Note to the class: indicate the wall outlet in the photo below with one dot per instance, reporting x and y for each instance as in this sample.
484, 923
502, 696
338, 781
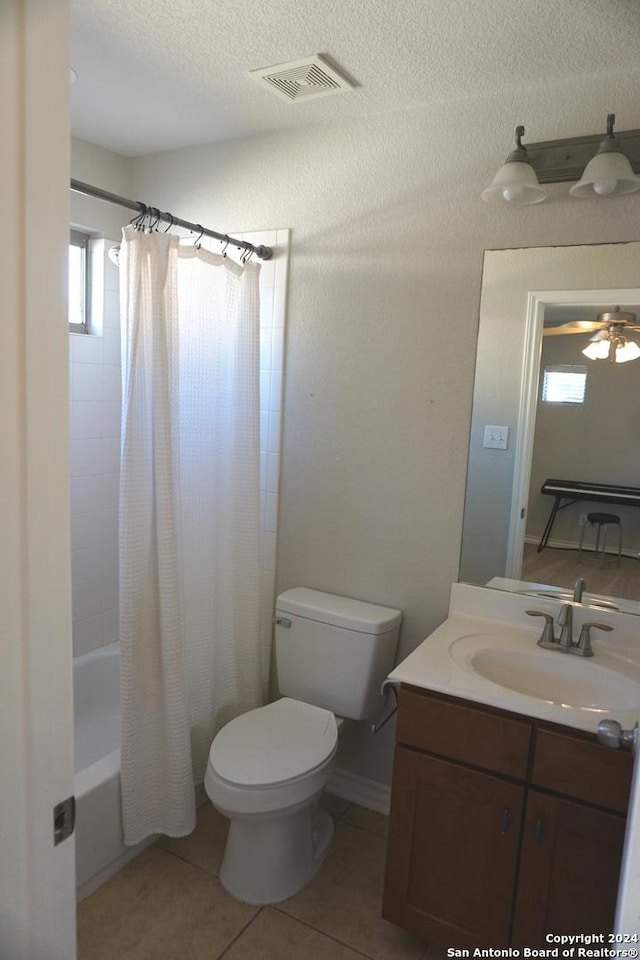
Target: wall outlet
583, 519
496, 438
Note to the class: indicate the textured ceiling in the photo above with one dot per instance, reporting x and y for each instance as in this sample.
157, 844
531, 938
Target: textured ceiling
161, 74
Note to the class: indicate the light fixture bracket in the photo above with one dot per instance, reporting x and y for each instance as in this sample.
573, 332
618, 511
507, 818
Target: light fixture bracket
519, 155
557, 161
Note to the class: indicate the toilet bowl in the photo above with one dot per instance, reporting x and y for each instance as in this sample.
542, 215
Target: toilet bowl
266, 770
268, 767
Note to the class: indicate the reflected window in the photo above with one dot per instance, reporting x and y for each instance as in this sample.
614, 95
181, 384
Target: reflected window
564, 383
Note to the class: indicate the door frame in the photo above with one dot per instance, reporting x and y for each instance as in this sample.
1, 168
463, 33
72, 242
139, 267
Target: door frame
37, 878
537, 303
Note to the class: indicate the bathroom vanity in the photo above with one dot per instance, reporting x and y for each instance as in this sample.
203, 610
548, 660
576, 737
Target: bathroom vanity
507, 815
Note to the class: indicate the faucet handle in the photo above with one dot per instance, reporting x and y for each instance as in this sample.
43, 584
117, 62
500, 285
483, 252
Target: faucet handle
584, 641
548, 637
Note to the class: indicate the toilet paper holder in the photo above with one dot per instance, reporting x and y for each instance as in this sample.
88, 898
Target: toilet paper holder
388, 687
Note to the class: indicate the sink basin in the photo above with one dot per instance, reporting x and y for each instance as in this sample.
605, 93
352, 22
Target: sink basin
546, 674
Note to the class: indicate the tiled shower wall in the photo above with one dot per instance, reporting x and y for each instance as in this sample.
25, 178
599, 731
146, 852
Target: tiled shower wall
95, 407
95, 410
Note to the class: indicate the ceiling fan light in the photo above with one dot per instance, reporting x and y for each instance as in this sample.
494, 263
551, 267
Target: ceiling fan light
597, 350
515, 182
630, 351
608, 174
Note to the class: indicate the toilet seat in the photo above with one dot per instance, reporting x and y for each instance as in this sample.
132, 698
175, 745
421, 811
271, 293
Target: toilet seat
275, 744
271, 759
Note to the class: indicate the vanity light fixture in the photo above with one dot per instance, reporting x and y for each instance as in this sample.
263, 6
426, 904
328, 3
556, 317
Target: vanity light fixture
609, 173
603, 167
516, 180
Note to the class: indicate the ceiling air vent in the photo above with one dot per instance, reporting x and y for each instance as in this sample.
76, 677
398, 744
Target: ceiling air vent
302, 79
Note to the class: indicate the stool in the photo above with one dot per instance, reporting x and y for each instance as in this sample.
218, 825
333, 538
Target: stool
602, 521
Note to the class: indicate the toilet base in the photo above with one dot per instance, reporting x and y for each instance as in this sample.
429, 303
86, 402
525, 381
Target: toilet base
269, 859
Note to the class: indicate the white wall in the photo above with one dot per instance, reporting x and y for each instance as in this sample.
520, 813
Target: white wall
388, 233
105, 169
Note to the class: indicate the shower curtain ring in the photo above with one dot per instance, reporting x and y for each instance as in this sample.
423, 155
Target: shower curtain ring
226, 244
171, 222
136, 221
199, 238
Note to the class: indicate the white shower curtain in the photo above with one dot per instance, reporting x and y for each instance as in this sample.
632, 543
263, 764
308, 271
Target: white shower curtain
189, 519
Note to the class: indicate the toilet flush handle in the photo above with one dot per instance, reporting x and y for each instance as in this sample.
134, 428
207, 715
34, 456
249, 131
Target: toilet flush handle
282, 622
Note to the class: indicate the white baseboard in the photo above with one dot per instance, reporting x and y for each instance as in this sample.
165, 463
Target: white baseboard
573, 545
559, 544
367, 793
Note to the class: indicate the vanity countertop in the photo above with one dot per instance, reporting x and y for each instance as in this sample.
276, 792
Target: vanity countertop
500, 640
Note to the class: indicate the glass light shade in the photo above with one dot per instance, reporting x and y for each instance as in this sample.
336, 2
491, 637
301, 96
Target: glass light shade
630, 351
598, 350
515, 182
607, 174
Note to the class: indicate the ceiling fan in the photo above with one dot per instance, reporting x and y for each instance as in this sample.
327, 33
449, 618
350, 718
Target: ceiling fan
615, 321
608, 341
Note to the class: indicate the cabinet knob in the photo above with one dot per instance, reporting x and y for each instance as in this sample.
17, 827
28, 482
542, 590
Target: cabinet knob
538, 833
611, 734
505, 821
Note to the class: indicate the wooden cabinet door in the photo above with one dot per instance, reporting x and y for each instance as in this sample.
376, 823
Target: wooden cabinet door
569, 870
452, 851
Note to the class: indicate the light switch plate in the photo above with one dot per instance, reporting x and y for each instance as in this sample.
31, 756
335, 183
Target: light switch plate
496, 438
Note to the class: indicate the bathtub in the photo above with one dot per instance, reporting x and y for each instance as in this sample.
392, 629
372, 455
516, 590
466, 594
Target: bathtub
100, 849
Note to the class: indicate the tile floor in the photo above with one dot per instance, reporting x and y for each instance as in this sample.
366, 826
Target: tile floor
168, 903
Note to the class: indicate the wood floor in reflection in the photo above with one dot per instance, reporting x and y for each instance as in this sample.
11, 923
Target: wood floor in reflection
561, 567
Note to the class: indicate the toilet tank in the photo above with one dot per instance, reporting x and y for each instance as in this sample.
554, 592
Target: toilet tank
334, 652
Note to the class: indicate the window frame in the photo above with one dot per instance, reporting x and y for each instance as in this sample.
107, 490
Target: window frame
79, 238
563, 369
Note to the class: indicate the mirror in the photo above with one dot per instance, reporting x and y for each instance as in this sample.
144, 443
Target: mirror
526, 292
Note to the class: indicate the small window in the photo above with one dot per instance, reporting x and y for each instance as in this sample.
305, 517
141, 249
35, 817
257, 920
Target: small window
78, 282
564, 383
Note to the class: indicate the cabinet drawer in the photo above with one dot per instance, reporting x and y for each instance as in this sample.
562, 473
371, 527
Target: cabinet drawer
458, 730
577, 766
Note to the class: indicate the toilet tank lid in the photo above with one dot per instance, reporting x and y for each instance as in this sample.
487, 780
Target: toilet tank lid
338, 611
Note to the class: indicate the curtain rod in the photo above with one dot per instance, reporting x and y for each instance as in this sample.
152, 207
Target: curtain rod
264, 253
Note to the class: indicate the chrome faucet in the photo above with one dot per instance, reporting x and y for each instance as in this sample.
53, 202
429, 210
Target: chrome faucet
578, 589
565, 622
565, 643
565, 617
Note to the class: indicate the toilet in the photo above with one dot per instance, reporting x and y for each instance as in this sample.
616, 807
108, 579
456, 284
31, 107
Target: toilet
268, 767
